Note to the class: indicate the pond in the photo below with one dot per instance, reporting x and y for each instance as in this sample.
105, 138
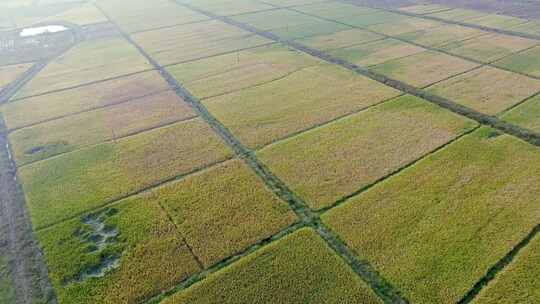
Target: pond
34, 31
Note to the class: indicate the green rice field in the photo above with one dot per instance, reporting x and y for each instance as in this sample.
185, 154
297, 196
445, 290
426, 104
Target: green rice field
269, 152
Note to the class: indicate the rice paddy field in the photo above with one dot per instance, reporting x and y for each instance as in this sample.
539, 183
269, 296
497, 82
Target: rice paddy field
269, 152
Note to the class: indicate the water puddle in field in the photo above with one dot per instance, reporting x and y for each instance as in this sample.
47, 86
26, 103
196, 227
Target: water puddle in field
493, 134
97, 234
97, 238
34, 31
35, 150
106, 264
54, 148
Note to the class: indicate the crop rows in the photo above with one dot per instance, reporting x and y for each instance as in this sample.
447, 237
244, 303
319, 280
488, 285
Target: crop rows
404, 67
279, 187
265, 34
281, 190
226, 176
441, 101
24, 273
533, 230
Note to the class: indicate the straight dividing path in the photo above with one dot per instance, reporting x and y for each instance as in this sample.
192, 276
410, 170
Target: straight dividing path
492, 121
9, 91
429, 48
110, 140
91, 109
499, 266
481, 118
118, 199
435, 49
304, 212
27, 264
347, 197
79, 85
224, 263
307, 217
484, 119
340, 247
462, 23
513, 252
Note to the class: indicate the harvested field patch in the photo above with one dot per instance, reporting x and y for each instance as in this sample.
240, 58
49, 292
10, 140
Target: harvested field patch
128, 14
424, 68
518, 283
356, 151
311, 96
290, 24
526, 62
230, 7
232, 72
488, 90
488, 48
149, 255
10, 73
424, 9
402, 26
64, 186
377, 52
299, 268
526, 115
437, 227
497, 21
439, 36
458, 14
38, 109
87, 62
194, 41
88, 128
340, 39
223, 210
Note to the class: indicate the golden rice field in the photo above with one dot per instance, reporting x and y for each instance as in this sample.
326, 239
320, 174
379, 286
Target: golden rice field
269, 152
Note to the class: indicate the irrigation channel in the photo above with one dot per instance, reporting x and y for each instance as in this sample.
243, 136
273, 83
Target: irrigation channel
25, 261
307, 217
483, 119
26, 258
51, 38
